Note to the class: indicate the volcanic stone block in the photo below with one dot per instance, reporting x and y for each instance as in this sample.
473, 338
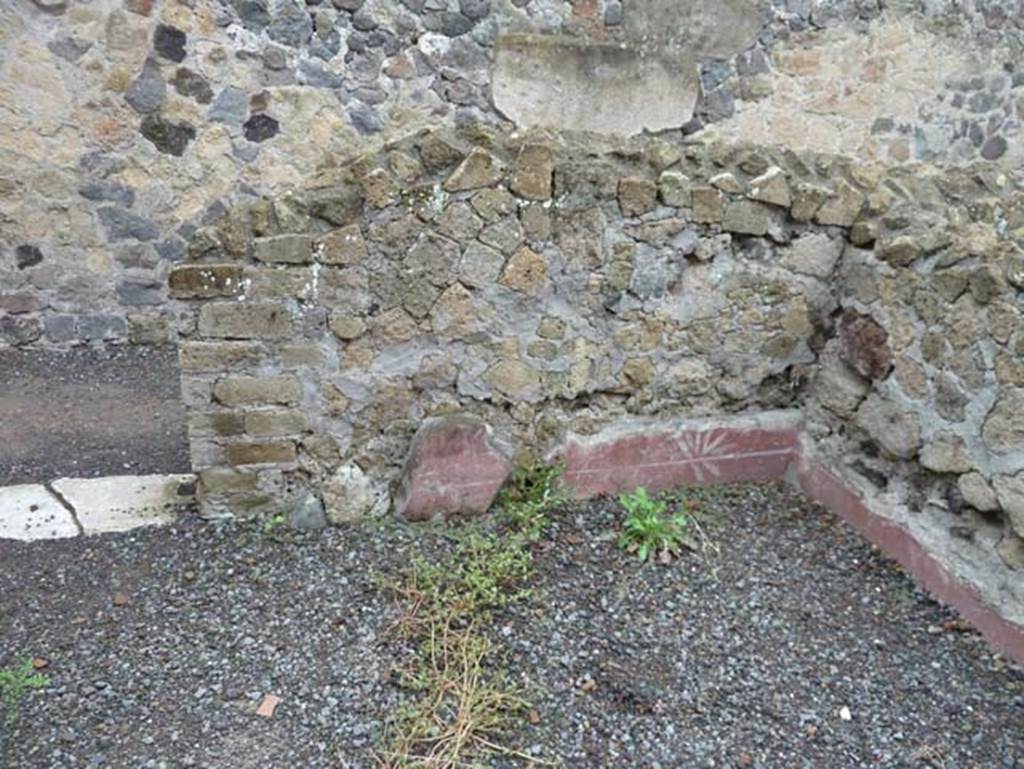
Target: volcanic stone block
454, 467
236, 320
236, 389
205, 281
533, 172
276, 422
746, 218
285, 249
217, 356
273, 452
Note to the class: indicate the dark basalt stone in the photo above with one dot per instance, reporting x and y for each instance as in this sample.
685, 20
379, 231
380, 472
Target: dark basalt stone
169, 42
192, 85
259, 128
169, 137
26, 256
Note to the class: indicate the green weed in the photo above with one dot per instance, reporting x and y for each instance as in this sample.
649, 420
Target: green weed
15, 681
464, 702
649, 531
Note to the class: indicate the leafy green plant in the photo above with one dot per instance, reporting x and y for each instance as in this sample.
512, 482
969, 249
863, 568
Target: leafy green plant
15, 681
648, 530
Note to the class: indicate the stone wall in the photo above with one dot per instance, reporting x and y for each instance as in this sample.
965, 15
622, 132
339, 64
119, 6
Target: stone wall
547, 288
127, 125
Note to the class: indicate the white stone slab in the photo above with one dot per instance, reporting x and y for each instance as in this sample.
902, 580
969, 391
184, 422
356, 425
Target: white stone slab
30, 512
124, 502
573, 84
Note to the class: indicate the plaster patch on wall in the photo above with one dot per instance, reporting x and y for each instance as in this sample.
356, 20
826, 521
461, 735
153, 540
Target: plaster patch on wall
896, 93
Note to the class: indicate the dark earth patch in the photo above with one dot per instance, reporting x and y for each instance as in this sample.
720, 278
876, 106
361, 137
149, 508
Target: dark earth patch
161, 644
90, 412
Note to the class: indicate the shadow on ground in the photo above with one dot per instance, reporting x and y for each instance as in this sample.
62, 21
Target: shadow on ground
90, 412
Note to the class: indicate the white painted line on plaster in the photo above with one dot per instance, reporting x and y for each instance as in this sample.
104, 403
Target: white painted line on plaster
124, 502
29, 512
73, 506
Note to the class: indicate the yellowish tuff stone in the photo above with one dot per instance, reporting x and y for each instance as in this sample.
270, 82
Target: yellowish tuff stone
394, 327
638, 372
478, 169
346, 327
526, 271
455, 313
512, 378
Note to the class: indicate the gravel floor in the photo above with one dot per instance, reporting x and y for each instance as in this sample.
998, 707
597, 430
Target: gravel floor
162, 643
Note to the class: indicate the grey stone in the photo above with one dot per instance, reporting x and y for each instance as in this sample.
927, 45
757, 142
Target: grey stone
134, 292
365, 119
506, 235
192, 85
945, 453
746, 218
19, 329
254, 14
613, 14
148, 90
1010, 491
475, 9
231, 106
291, 24
1003, 431
108, 191
124, 225
364, 21
307, 513
571, 84
771, 187
977, 492
814, 254
718, 105
60, 328
837, 386
69, 48
96, 328
480, 265
896, 431
993, 148
318, 76
275, 57
950, 401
